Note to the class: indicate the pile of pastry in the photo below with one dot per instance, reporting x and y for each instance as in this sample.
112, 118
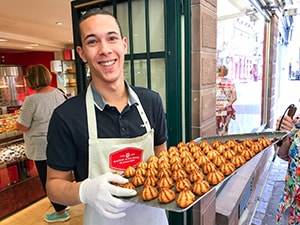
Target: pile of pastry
189, 170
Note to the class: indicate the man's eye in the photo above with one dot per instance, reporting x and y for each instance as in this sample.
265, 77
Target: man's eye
113, 38
91, 42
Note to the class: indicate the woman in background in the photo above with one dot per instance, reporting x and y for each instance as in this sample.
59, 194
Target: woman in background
225, 97
289, 204
34, 118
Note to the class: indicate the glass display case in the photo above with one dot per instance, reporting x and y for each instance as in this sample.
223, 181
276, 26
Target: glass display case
19, 181
12, 85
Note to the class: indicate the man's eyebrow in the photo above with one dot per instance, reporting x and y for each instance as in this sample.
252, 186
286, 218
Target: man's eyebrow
109, 33
88, 36
113, 32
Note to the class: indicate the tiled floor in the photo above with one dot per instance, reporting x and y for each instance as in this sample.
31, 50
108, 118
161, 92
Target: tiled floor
33, 215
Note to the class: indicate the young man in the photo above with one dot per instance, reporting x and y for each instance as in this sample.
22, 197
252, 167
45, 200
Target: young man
93, 132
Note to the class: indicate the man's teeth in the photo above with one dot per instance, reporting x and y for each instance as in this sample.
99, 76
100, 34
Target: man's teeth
107, 63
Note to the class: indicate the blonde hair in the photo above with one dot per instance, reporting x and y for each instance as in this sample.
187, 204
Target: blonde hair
38, 76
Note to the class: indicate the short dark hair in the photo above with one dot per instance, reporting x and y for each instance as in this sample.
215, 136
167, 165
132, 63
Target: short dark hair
38, 76
93, 12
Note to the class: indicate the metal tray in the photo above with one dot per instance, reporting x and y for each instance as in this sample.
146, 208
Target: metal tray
274, 136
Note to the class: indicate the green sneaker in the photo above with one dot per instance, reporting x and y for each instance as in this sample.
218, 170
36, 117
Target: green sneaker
53, 217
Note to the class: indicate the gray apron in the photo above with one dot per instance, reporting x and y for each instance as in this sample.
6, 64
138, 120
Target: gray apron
114, 154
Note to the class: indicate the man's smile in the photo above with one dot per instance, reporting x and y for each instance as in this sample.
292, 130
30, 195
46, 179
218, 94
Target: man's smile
107, 63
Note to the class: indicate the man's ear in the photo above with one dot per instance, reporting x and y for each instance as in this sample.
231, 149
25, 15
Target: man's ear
81, 53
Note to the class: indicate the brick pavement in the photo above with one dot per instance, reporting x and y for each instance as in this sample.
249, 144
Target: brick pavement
266, 209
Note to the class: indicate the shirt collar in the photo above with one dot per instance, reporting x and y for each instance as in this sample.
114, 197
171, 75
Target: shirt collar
101, 103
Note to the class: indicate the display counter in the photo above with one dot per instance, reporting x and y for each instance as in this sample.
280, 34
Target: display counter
19, 181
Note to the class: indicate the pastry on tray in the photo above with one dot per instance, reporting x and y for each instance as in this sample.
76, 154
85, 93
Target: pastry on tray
149, 193
166, 195
185, 198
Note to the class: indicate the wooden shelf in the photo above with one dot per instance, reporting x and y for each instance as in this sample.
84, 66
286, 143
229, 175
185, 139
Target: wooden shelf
20, 195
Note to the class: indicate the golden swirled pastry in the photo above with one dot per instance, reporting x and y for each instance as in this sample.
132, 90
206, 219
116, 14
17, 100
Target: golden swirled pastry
129, 185
165, 182
227, 168
173, 152
238, 160
179, 174
151, 173
185, 198
163, 154
265, 142
164, 165
196, 175
164, 173
248, 153
216, 144
138, 180
175, 159
204, 144
185, 154
142, 165
247, 142
256, 147
152, 165
195, 149
182, 184
212, 154
166, 195
152, 158
172, 149
229, 153
219, 160
177, 166
187, 160
221, 148
192, 144
149, 193
129, 172
238, 148
181, 144
140, 171
230, 143
197, 154
191, 166
208, 167
200, 187
150, 181
215, 177
202, 160
162, 159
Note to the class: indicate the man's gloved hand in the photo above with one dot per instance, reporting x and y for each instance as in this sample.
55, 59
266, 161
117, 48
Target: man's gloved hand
99, 193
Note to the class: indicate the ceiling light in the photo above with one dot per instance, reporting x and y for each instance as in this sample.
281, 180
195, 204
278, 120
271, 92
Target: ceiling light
34, 45
59, 23
2, 39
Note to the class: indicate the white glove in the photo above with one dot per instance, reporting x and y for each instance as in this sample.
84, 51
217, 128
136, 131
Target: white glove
99, 193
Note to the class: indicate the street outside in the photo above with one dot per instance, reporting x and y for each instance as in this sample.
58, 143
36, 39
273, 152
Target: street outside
248, 103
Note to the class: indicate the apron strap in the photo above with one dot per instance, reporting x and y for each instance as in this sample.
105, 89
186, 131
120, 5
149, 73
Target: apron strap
91, 113
142, 112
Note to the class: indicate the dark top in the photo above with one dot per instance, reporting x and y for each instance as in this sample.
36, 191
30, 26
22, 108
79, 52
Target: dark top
68, 135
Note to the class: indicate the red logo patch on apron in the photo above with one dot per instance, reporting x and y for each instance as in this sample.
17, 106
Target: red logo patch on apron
125, 157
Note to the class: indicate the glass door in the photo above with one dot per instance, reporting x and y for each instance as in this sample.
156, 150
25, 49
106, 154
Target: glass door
240, 47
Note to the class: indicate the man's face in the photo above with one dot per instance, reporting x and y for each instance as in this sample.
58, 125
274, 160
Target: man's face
103, 48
